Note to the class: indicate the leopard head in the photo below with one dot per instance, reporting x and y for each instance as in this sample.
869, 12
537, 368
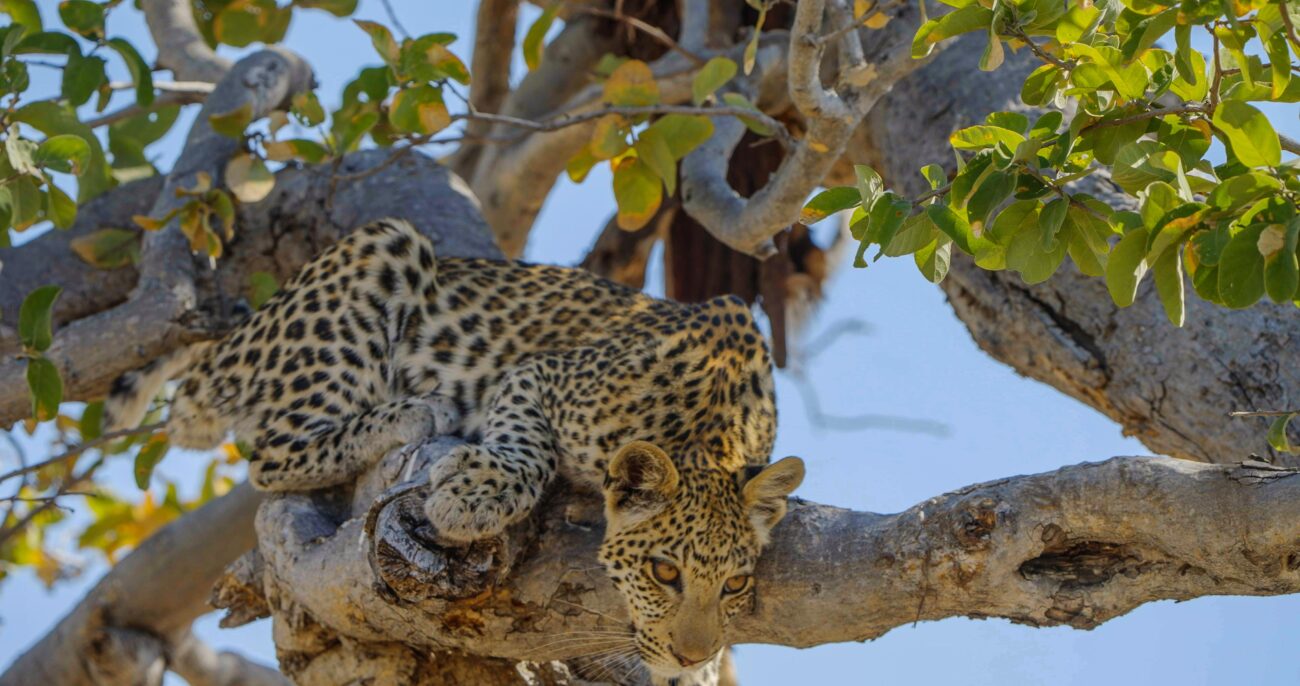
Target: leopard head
681, 545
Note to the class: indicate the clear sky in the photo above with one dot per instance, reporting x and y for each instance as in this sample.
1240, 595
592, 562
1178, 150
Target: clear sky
918, 361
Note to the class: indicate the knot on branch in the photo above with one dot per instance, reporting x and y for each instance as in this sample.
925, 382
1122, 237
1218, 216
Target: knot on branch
408, 561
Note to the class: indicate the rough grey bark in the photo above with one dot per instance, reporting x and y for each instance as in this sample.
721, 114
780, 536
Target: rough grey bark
1075, 547
1171, 388
308, 210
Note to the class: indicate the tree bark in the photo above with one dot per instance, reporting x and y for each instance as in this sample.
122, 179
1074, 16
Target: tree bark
1075, 547
1170, 387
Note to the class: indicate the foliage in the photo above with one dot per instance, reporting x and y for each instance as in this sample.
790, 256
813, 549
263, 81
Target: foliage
1146, 115
1147, 111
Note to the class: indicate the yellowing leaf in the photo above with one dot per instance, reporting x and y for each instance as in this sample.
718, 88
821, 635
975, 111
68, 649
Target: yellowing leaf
608, 137
382, 39
638, 192
108, 248
248, 178
632, 85
532, 45
232, 124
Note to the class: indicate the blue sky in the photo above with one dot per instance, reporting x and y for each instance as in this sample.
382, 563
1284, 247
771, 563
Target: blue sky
918, 361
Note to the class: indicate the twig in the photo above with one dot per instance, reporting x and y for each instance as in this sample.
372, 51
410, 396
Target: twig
1262, 413
164, 100
858, 22
77, 450
397, 154
649, 29
392, 17
1039, 52
1218, 69
7, 533
936, 193
567, 120
1290, 145
1185, 108
1290, 26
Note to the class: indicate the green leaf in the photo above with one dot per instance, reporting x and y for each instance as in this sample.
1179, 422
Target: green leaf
917, 232
934, 258
261, 288
1040, 86
1126, 267
84, 17
1167, 272
532, 45
232, 124
1277, 434
828, 202
1281, 267
953, 225
64, 153
141, 75
980, 137
713, 75
887, 214
108, 248
45, 387
638, 192
1085, 257
419, 109
82, 76
1025, 254
151, 453
61, 209
382, 39
1248, 133
23, 12
338, 8
683, 132
869, 184
1241, 269
652, 148
753, 124
1052, 218
35, 317
964, 20
91, 423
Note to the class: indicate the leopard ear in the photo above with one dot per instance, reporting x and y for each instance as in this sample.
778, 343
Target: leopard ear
640, 481
765, 494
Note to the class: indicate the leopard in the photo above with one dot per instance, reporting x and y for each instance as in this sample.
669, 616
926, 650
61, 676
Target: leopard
664, 409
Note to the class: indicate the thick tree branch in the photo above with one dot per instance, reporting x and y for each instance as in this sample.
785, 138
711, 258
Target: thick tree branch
304, 213
1170, 387
830, 117
199, 665
118, 632
161, 312
494, 44
1075, 547
181, 47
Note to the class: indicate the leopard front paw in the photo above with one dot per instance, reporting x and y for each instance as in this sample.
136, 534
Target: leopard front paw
472, 497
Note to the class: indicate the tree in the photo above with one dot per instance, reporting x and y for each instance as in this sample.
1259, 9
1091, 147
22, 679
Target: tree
718, 120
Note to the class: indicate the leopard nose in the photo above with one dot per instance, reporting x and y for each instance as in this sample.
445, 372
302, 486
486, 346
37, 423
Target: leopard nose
683, 660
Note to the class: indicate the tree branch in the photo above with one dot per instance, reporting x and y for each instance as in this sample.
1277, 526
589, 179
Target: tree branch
199, 665
1074, 547
494, 44
748, 224
1169, 387
120, 627
302, 215
181, 47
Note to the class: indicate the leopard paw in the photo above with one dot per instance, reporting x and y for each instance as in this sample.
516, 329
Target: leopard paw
472, 497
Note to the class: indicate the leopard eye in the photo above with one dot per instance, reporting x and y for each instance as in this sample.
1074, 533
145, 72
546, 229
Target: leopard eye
736, 584
664, 572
